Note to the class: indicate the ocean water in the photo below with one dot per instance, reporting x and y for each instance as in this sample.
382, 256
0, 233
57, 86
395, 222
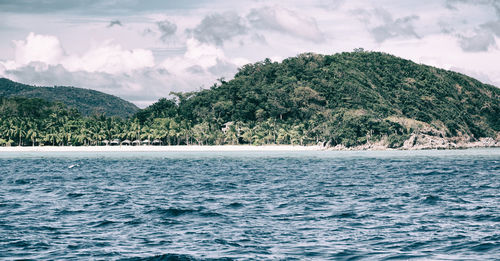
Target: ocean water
387, 205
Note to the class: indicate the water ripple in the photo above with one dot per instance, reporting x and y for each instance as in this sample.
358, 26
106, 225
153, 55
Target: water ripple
443, 206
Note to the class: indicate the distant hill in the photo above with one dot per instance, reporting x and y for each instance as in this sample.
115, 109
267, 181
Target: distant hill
85, 101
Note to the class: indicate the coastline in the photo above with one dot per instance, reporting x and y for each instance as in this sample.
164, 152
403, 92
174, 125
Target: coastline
149, 148
235, 148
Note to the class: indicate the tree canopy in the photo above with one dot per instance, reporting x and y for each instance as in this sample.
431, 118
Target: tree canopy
86, 101
343, 99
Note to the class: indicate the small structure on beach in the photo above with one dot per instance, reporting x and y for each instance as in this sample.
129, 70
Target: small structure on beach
105, 142
146, 142
157, 142
226, 127
115, 142
136, 143
125, 142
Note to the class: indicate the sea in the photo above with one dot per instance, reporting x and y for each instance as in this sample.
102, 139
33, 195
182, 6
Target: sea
311, 205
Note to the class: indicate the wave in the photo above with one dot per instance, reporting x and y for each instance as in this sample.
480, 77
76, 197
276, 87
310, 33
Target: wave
104, 223
235, 205
74, 195
431, 200
171, 212
174, 257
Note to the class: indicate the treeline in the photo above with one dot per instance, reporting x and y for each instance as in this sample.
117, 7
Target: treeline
35, 122
348, 99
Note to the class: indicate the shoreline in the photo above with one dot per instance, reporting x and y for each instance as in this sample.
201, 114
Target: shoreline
219, 148
149, 148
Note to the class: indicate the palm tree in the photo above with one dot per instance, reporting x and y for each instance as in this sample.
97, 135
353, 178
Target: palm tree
136, 129
283, 135
19, 131
33, 135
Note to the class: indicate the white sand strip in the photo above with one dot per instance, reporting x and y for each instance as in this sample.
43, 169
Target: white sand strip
160, 148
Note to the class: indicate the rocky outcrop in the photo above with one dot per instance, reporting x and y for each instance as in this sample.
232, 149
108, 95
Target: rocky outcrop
426, 141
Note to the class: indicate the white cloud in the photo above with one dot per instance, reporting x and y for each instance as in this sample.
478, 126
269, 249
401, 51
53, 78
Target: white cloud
130, 74
111, 59
205, 54
38, 48
46, 50
200, 65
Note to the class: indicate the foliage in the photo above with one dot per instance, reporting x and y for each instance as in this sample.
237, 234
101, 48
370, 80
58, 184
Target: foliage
87, 102
348, 98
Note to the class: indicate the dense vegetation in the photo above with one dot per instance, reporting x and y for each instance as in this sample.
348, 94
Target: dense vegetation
349, 99
86, 101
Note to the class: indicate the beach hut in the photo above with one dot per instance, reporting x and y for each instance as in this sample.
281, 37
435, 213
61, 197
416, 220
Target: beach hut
146, 142
125, 142
157, 142
136, 142
115, 142
226, 127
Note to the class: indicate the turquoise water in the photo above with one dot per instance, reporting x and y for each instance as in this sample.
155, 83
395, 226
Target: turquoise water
441, 205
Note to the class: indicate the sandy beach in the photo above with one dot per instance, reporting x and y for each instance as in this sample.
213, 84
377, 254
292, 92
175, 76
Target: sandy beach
192, 148
243, 148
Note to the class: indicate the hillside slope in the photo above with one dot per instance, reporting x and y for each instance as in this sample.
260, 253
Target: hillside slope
346, 99
85, 101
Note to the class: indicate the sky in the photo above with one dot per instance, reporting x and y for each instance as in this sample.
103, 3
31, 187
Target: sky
141, 50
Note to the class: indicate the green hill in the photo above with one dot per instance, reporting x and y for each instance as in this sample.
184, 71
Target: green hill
85, 101
345, 99
361, 100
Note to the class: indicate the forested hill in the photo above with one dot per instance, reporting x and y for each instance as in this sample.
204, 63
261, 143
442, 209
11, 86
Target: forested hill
86, 101
346, 98
365, 100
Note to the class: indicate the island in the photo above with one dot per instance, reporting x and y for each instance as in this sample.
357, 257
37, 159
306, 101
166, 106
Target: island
352, 100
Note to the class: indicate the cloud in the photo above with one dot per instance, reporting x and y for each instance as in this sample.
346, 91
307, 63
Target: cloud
388, 27
479, 42
221, 27
330, 4
285, 21
482, 36
492, 26
38, 48
217, 28
453, 4
200, 65
146, 84
110, 58
475, 74
195, 69
148, 31
107, 57
115, 22
130, 74
198, 57
142, 87
93, 7
166, 28
200, 44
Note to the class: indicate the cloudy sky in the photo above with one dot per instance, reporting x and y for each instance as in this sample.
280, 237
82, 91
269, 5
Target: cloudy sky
142, 50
